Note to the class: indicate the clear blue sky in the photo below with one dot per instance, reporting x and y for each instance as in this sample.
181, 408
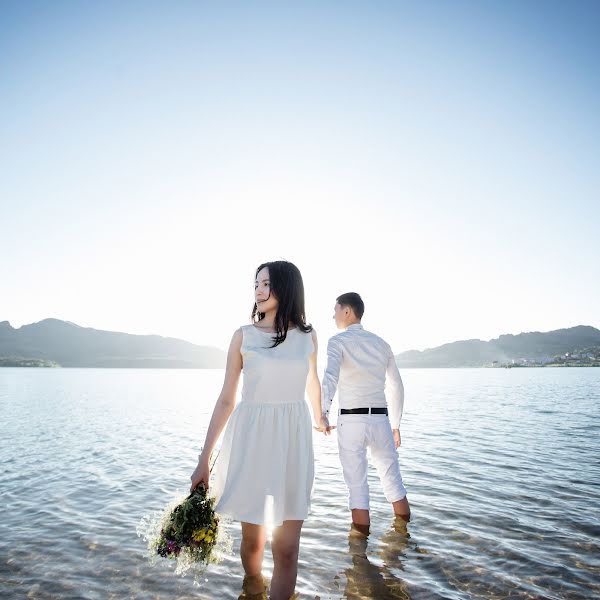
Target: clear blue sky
441, 158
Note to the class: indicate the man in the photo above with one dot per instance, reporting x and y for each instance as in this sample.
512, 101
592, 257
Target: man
362, 365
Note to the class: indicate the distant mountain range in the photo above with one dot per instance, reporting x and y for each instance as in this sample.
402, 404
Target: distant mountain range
535, 346
52, 342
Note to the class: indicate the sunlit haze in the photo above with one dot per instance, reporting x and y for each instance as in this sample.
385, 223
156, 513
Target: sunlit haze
439, 158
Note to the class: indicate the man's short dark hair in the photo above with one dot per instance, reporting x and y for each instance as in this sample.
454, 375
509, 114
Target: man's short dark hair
354, 301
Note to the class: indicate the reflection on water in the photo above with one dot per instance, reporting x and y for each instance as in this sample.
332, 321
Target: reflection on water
501, 468
248, 596
250, 587
367, 579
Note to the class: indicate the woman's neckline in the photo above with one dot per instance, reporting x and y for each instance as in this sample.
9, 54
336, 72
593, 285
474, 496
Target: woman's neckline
270, 332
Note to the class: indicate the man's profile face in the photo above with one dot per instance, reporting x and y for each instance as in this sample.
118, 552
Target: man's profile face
340, 314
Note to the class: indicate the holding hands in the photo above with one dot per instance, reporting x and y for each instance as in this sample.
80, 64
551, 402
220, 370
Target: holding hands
324, 426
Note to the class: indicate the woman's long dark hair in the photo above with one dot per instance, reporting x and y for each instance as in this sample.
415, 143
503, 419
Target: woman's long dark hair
288, 288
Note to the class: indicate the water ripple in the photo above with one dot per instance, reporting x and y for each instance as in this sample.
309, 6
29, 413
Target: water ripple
501, 465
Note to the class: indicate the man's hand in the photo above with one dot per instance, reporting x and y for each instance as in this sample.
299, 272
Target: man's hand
324, 425
397, 439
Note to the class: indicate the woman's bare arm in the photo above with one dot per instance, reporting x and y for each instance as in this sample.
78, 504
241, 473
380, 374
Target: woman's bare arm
223, 409
313, 385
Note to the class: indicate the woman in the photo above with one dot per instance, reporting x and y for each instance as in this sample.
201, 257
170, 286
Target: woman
265, 470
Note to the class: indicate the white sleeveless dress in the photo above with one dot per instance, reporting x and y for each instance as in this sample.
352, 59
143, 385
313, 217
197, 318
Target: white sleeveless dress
264, 471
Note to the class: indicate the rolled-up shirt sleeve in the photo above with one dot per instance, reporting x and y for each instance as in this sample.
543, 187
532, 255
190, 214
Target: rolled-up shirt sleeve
394, 391
331, 375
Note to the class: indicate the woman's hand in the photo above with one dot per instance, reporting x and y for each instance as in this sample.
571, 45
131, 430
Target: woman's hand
201, 474
397, 438
324, 426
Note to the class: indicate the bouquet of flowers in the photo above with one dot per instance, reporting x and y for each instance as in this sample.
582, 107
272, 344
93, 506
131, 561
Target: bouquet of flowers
186, 531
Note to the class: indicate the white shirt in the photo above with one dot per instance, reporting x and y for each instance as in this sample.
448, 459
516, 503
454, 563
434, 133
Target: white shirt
363, 367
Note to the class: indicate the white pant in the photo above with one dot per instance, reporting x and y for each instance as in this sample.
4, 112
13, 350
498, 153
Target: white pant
355, 434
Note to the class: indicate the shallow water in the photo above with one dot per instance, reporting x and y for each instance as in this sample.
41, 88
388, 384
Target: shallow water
502, 468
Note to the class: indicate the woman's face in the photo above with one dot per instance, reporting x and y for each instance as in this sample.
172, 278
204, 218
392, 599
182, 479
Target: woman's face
265, 300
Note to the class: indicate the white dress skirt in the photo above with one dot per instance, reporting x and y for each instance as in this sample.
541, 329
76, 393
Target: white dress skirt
265, 469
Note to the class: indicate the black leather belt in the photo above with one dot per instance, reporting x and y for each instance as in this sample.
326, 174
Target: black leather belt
363, 411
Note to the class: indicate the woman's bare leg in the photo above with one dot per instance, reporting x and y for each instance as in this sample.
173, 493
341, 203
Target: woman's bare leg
285, 545
252, 550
